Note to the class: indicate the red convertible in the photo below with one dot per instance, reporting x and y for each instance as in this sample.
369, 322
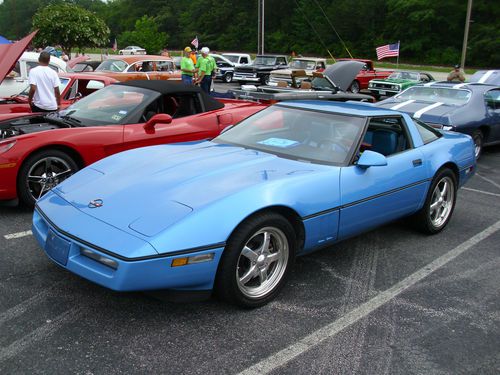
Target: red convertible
366, 74
73, 87
38, 151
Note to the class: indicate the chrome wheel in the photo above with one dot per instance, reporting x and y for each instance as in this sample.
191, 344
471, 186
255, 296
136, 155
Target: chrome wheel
354, 87
45, 174
442, 201
477, 137
262, 262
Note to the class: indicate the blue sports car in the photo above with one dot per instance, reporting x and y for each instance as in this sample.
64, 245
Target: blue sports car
231, 214
470, 108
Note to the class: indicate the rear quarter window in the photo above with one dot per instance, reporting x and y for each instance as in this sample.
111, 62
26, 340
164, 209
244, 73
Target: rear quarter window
427, 132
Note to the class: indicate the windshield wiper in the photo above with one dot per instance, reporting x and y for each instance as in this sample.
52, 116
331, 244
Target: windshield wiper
72, 120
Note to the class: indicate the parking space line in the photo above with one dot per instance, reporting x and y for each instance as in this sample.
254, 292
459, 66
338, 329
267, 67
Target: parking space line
40, 333
481, 191
315, 338
488, 180
18, 235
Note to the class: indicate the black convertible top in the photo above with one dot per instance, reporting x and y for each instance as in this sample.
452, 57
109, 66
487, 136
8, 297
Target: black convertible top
175, 87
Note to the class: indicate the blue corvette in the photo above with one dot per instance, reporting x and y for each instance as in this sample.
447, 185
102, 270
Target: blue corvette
231, 215
470, 108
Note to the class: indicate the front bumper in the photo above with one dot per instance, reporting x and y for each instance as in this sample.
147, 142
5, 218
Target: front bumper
248, 77
117, 272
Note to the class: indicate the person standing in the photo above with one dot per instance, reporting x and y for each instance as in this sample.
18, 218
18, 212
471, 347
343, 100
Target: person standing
205, 68
44, 84
187, 67
456, 75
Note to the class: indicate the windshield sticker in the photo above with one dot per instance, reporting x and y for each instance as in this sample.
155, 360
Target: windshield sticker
122, 112
116, 117
279, 142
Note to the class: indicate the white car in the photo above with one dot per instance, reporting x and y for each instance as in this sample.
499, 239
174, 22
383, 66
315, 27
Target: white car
132, 50
17, 80
238, 59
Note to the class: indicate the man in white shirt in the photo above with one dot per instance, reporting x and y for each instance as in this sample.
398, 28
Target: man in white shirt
44, 83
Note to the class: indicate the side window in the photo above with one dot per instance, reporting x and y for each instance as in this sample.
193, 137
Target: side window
182, 105
244, 60
492, 99
281, 61
321, 65
137, 67
386, 135
427, 133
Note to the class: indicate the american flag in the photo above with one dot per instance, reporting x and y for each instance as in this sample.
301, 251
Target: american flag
194, 42
389, 50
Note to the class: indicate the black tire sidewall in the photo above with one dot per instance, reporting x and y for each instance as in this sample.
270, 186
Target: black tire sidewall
424, 217
354, 84
228, 77
478, 134
23, 193
265, 80
226, 286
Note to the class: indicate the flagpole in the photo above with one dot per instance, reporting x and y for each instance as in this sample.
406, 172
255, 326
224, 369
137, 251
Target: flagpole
397, 61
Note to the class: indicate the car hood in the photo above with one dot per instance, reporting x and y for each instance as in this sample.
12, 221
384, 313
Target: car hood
10, 53
146, 190
426, 111
342, 73
399, 81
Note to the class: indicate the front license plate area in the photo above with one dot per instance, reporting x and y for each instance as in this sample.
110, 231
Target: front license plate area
57, 248
382, 92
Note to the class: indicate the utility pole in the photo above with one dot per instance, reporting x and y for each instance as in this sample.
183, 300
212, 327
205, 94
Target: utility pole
260, 27
466, 33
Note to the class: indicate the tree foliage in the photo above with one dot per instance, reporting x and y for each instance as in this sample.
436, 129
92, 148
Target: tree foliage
146, 35
430, 31
69, 26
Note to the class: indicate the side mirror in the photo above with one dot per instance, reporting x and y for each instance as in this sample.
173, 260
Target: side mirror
225, 119
160, 118
371, 159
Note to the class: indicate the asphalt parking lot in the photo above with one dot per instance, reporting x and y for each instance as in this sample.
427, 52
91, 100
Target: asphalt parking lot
392, 301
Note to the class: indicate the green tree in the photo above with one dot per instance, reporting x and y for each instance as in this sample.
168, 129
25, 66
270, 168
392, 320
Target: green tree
69, 26
146, 35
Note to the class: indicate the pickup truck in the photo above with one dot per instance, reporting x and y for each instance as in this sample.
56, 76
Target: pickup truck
260, 69
366, 74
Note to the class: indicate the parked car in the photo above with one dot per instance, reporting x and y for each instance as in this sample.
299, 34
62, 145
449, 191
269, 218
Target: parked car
225, 68
149, 67
233, 213
397, 82
86, 66
132, 50
260, 69
306, 64
331, 84
486, 76
16, 64
74, 86
470, 108
238, 59
38, 151
366, 75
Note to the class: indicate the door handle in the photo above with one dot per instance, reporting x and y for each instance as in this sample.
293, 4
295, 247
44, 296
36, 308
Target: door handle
417, 162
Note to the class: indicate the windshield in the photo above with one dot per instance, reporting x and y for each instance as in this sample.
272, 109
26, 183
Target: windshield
112, 66
321, 83
62, 86
303, 64
414, 76
325, 138
432, 94
264, 60
232, 58
111, 105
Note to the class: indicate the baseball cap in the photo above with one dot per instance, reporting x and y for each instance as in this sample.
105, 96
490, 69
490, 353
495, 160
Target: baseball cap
205, 50
457, 66
187, 49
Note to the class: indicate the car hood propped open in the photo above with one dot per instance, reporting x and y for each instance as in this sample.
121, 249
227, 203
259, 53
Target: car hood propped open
342, 73
10, 53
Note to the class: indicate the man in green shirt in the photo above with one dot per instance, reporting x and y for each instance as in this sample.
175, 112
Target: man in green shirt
205, 65
187, 67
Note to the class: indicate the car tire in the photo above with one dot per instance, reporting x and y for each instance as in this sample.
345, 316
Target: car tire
257, 261
131, 53
228, 77
354, 88
442, 195
120, 53
478, 139
265, 80
47, 168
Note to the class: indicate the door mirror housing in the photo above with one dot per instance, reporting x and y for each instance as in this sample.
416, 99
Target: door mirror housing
159, 118
371, 159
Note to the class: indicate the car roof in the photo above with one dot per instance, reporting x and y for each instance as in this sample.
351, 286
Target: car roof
347, 59
474, 86
166, 87
310, 58
130, 59
89, 76
347, 108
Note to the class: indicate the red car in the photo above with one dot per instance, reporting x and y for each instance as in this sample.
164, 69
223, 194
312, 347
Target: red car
366, 74
38, 151
73, 87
